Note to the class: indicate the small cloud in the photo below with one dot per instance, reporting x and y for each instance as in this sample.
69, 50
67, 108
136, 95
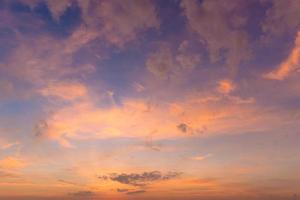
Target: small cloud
136, 192
9, 145
138, 87
122, 190
68, 91
40, 128
183, 127
67, 182
226, 86
83, 194
199, 158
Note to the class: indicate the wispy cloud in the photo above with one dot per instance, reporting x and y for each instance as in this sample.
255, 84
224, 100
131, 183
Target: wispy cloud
200, 157
289, 65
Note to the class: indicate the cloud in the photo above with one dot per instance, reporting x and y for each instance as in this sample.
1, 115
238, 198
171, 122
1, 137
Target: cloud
282, 16
124, 19
141, 179
9, 145
216, 24
84, 119
185, 58
226, 86
83, 194
65, 90
136, 192
291, 64
199, 158
138, 87
44, 60
12, 163
165, 64
160, 62
183, 127
58, 7
67, 182
4, 174
122, 190
116, 22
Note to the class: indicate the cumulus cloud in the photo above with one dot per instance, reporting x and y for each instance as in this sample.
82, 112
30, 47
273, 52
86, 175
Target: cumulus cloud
142, 179
289, 65
215, 23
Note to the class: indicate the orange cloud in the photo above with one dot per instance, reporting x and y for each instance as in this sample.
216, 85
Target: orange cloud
226, 86
83, 119
65, 90
199, 158
12, 163
288, 66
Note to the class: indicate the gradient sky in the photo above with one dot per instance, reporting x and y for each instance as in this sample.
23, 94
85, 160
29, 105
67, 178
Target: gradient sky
149, 99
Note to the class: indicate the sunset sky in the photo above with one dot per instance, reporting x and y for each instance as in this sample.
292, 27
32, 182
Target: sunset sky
149, 99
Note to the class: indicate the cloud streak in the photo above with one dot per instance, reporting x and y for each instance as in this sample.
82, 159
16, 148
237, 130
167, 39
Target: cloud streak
142, 179
289, 65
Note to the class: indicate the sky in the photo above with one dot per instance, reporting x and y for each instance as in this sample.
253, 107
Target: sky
149, 99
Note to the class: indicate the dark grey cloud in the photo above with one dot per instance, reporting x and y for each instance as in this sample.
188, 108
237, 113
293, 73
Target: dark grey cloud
140, 179
136, 192
183, 127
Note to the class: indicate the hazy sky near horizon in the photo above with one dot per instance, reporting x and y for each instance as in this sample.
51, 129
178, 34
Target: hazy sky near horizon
150, 99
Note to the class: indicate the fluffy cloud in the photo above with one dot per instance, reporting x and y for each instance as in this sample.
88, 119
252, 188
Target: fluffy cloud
165, 63
117, 22
289, 65
216, 24
123, 20
58, 7
282, 16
